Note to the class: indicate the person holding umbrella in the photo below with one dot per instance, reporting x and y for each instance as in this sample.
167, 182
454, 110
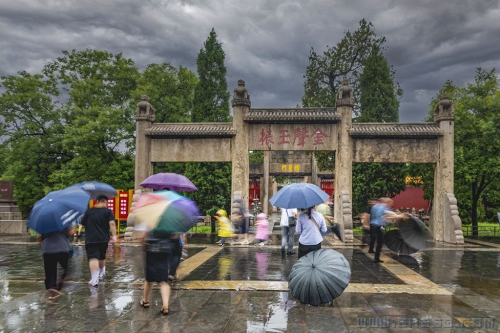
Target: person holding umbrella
53, 217
55, 250
310, 225
164, 220
98, 221
162, 259
380, 213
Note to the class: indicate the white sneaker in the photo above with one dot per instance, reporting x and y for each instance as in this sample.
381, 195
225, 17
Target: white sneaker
261, 243
93, 283
101, 276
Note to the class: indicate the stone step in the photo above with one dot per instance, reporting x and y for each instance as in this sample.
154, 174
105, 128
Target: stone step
9, 208
11, 216
13, 227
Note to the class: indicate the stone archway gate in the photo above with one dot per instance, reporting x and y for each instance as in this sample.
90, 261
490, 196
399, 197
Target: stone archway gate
308, 129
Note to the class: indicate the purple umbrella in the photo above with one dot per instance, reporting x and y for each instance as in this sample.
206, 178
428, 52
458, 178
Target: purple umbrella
170, 181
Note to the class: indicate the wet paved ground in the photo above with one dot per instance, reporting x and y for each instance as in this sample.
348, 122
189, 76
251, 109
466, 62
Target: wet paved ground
244, 289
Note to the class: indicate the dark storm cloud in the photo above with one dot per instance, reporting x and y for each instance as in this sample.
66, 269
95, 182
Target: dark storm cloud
267, 43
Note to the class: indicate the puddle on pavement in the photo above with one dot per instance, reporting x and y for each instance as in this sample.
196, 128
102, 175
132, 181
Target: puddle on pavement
476, 270
268, 264
25, 262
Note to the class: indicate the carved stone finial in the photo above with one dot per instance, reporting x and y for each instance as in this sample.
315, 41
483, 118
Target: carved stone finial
241, 96
345, 95
444, 110
145, 110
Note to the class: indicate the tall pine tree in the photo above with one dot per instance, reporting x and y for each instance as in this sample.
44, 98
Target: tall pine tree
211, 104
211, 98
379, 95
378, 103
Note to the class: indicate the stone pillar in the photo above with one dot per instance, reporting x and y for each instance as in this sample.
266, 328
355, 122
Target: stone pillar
343, 161
314, 170
240, 160
265, 183
144, 119
443, 228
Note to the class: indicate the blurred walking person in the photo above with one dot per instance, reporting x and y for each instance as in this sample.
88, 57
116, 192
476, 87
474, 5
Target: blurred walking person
380, 213
55, 250
226, 228
287, 223
98, 221
162, 259
325, 210
262, 233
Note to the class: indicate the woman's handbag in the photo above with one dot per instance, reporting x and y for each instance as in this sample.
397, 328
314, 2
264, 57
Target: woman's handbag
160, 245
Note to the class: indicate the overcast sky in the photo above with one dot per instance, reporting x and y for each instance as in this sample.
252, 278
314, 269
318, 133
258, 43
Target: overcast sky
266, 42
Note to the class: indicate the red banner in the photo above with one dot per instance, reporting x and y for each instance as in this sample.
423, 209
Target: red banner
111, 203
123, 204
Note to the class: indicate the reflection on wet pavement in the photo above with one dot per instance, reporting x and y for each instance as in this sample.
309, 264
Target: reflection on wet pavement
382, 298
269, 264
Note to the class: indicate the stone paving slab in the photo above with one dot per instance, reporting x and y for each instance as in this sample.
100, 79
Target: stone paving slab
439, 290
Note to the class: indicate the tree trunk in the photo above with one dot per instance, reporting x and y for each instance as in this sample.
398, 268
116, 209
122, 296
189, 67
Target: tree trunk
475, 196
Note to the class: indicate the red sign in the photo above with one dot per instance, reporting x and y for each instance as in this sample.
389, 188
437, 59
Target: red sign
123, 204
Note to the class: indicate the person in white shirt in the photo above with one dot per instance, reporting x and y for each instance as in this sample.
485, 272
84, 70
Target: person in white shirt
310, 225
287, 231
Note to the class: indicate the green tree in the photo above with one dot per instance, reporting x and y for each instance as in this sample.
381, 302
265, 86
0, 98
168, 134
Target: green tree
477, 141
378, 103
211, 98
213, 181
33, 127
378, 94
170, 91
72, 122
100, 86
211, 104
325, 72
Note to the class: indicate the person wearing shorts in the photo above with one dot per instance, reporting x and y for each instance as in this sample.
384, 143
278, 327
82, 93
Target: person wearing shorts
98, 221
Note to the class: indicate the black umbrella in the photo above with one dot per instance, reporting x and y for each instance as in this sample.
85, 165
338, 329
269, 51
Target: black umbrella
413, 231
319, 277
396, 243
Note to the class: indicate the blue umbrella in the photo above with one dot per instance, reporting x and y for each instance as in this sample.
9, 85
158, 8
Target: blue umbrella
96, 189
58, 210
301, 195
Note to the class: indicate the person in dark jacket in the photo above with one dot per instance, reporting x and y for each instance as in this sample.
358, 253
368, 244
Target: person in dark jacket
55, 250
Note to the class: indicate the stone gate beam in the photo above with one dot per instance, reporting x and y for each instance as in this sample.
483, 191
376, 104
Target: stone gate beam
240, 158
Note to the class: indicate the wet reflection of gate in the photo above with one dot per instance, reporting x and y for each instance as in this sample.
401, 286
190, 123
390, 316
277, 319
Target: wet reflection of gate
254, 190
327, 186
